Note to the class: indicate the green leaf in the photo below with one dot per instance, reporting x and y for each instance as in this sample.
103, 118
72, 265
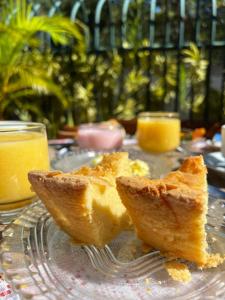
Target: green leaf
24, 70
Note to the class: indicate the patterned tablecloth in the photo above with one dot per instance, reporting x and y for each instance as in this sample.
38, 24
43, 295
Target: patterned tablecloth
6, 292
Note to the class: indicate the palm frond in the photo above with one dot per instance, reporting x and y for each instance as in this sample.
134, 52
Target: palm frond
15, 97
38, 84
197, 65
60, 29
19, 18
19, 42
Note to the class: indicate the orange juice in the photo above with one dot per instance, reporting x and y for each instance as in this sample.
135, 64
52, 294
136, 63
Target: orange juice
157, 132
20, 152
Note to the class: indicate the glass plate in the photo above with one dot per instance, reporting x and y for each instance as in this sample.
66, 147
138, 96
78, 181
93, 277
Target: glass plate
159, 164
42, 263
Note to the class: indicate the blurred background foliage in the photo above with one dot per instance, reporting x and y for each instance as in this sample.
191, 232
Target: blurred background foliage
62, 81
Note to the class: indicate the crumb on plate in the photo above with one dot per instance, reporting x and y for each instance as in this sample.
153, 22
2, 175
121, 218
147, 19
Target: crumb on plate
178, 271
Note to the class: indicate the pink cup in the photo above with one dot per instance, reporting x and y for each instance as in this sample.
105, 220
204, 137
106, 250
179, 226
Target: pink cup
100, 136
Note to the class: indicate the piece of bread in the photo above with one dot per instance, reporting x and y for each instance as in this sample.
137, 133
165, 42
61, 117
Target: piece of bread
85, 203
170, 214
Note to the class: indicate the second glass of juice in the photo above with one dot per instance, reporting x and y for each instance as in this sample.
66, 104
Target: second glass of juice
23, 147
158, 131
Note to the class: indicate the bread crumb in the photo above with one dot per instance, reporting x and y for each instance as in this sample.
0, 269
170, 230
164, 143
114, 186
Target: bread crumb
178, 271
213, 261
148, 290
147, 281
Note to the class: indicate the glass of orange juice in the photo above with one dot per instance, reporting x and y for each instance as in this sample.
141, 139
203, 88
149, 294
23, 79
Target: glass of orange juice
158, 131
23, 147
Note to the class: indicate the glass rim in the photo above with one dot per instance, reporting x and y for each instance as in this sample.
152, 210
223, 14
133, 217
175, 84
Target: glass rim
158, 114
100, 126
16, 126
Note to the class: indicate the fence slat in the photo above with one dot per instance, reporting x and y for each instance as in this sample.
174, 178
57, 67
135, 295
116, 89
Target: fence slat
180, 44
213, 15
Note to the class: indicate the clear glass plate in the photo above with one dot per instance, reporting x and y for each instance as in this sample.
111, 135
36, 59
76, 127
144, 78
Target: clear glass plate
42, 263
159, 164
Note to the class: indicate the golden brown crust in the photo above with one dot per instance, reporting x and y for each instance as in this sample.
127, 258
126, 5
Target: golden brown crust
113, 164
193, 165
64, 197
169, 213
64, 179
56, 180
179, 186
71, 198
190, 198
